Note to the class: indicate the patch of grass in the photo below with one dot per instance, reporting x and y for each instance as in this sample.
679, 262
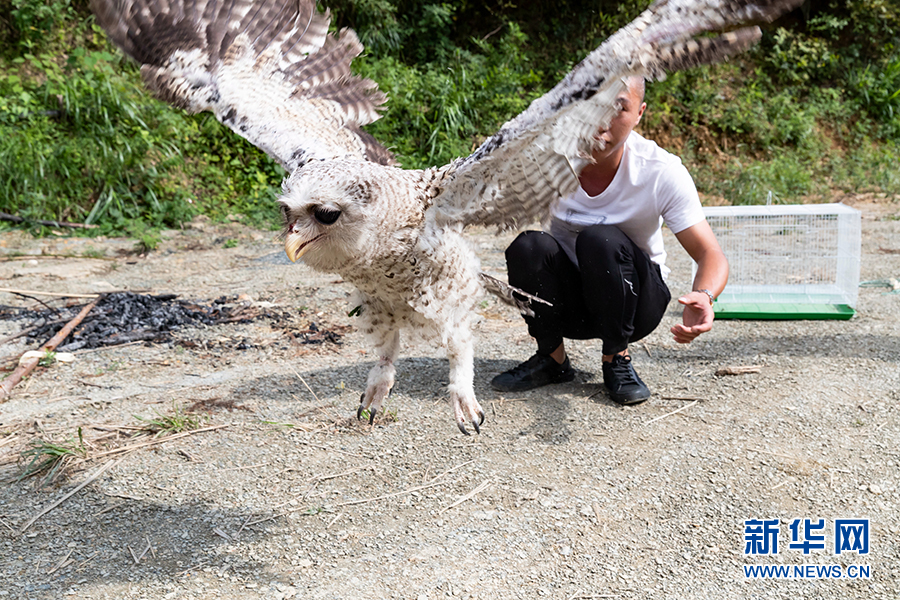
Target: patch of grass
91, 252
50, 459
48, 360
110, 367
278, 424
176, 422
230, 243
382, 417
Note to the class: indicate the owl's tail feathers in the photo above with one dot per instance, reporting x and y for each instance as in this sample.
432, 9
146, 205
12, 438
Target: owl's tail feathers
511, 295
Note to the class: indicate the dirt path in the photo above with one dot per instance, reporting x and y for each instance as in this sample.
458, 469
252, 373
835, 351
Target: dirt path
564, 495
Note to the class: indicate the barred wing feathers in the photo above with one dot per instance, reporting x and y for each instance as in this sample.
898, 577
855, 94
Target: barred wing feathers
268, 69
516, 174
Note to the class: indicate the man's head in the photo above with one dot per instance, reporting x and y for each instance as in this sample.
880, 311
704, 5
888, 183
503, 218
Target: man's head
630, 107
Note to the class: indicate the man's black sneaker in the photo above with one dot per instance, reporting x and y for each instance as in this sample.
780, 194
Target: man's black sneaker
624, 385
533, 373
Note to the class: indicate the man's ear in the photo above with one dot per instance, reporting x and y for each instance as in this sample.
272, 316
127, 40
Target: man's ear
641, 111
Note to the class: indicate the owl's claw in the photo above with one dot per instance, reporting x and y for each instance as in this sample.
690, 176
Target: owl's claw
474, 423
378, 387
359, 411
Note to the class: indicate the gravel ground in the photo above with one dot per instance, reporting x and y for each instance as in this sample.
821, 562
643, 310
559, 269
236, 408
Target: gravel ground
564, 495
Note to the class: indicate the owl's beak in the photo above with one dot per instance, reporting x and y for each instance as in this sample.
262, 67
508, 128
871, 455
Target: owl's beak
296, 246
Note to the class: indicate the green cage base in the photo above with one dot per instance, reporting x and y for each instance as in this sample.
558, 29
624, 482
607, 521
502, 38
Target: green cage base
782, 311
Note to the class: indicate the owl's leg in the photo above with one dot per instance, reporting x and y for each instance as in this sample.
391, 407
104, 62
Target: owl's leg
461, 352
381, 377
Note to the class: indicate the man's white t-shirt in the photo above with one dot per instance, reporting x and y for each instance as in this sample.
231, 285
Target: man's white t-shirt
650, 187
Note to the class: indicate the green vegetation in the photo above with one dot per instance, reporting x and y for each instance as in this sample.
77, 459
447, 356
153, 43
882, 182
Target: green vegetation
815, 107
51, 458
176, 422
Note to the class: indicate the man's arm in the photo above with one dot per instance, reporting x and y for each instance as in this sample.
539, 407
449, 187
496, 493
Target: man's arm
712, 274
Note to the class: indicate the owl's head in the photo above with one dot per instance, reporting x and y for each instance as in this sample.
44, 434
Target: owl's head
327, 212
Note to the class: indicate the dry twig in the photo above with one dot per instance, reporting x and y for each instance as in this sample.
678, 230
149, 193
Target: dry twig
738, 370
677, 410
28, 366
471, 494
158, 441
54, 294
61, 563
94, 476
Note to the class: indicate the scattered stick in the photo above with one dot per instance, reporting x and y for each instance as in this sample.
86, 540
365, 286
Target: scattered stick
158, 441
86, 561
682, 398
17, 219
597, 393
61, 563
145, 549
54, 294
189, 569
432, 483
221, 534
137, 561
737, 370
386, 496
53, 256
677, 410
646, 349
28, 366
471, 494
239, 468
94, 476
18, 335
108, 347
334, 520
107, 509
304, 383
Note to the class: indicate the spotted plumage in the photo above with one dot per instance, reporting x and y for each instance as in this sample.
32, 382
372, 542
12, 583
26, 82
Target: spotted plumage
270, 71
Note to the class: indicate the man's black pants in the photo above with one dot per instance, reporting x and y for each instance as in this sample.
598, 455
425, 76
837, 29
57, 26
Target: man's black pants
616, 293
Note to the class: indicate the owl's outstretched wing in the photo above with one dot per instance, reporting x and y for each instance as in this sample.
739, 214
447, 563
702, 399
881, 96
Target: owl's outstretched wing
516, 174
268, 69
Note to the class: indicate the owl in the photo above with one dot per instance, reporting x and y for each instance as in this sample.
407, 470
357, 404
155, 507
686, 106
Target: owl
271, 71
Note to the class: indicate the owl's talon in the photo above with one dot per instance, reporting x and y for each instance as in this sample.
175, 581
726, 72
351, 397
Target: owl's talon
462, 428
372, 412
481, 418
359, 411
475, 425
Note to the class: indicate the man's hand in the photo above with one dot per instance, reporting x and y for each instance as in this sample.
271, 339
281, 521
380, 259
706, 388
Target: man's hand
698, 317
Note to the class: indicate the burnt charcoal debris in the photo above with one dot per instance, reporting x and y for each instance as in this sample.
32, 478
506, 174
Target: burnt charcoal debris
125, 317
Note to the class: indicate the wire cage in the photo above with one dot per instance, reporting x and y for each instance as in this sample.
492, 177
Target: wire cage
788, 261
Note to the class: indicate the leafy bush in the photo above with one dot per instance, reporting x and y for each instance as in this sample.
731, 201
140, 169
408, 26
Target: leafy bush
815, 107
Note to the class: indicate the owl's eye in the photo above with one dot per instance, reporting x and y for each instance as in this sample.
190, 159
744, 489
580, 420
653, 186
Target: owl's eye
285, 213
326, 216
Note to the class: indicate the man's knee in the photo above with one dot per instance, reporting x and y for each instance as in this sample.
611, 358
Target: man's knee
530, 247
601, 241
